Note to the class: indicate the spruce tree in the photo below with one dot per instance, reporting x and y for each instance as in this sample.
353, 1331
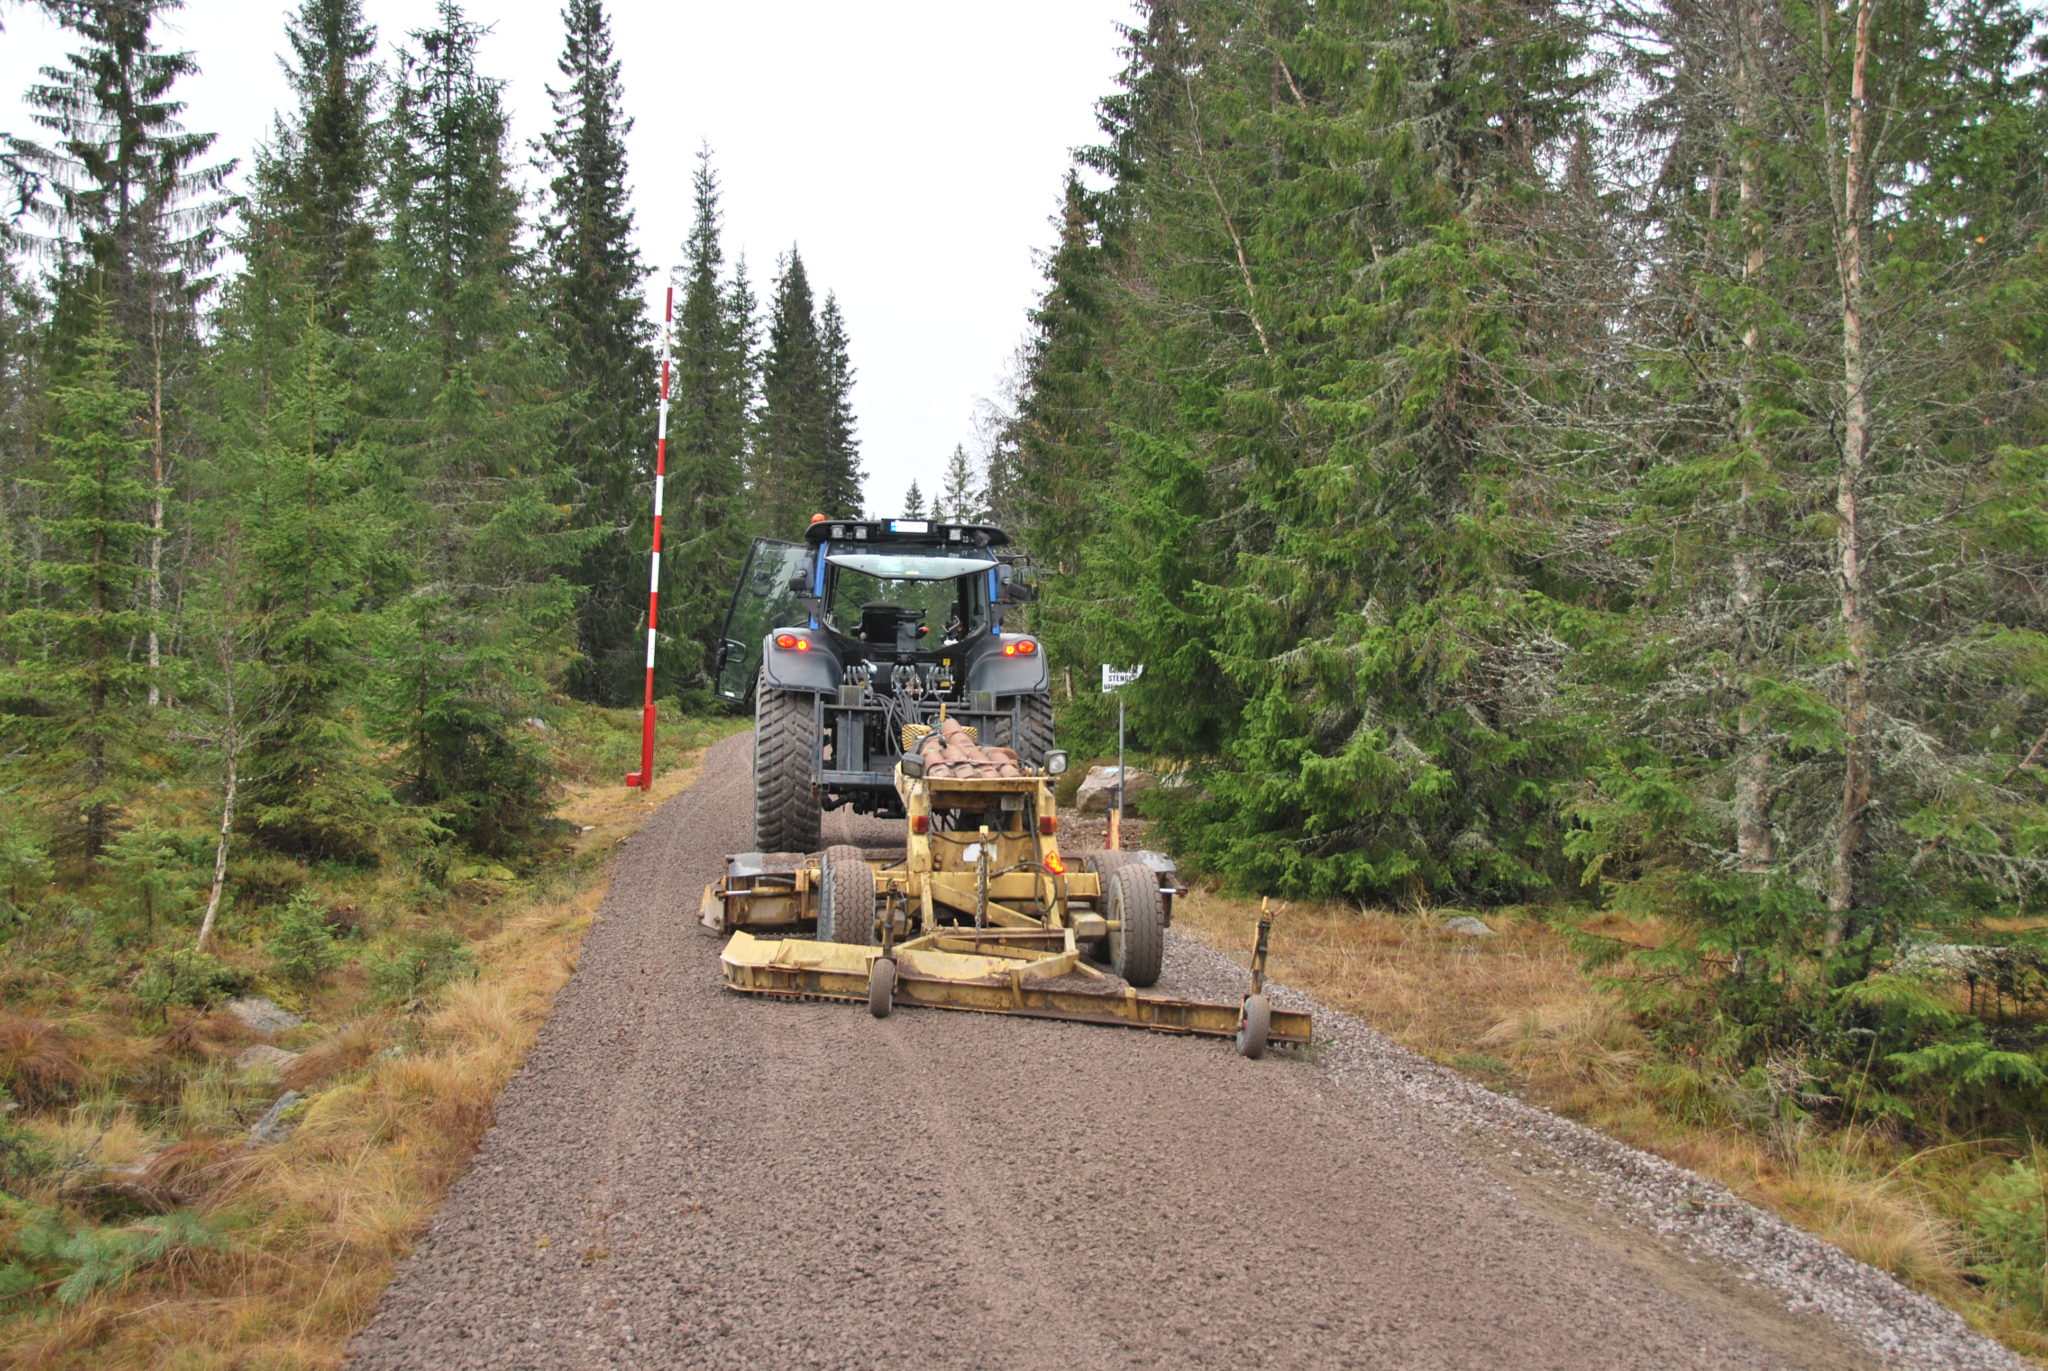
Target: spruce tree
837, 474
464, 389
791, 438
129, 212
305, 520
958, 501
913, 502
124, 204
705, 527
315, 180
1290, 526
72, 683
599, 319
22, 382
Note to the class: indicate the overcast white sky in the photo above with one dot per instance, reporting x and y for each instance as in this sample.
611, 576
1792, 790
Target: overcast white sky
912, 149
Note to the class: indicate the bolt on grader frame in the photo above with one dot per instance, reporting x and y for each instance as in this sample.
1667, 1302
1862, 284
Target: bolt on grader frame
979, 913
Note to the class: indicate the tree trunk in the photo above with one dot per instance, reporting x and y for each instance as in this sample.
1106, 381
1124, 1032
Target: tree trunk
220, 848
156, 503
1844, 870
1755, 848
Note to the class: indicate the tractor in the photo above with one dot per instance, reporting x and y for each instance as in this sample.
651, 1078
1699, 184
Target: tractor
866, 634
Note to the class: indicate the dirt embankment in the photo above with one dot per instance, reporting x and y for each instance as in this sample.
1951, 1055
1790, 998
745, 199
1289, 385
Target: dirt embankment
684, 1177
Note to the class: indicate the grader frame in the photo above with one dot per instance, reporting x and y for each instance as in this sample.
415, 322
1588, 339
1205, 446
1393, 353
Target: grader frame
979, 913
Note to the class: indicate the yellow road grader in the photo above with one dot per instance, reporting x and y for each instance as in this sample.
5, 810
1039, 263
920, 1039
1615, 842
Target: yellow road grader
980, 912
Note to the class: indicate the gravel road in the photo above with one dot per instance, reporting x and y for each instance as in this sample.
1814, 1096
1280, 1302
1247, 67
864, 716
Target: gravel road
683, 1177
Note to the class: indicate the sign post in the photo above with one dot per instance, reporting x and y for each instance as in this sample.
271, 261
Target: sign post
644, 777
1113, 682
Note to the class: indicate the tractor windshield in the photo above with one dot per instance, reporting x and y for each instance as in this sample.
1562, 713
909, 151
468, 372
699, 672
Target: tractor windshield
908, 600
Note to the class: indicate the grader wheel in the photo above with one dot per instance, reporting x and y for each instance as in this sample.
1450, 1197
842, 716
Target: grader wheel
1254, 1024
882, 987
1137, 948
846, 897
1101, 864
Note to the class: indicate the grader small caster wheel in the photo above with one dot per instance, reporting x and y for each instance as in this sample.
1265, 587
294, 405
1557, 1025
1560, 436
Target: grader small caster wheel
1254, 1022
882, 986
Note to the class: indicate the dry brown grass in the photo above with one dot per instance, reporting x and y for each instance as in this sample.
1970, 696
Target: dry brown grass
38, 1067
317, 1224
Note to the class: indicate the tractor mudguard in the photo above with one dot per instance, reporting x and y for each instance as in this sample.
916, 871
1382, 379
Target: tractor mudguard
816, 670
989, 670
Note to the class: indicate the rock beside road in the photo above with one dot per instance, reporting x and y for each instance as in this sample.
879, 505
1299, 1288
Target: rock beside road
260, 1015
272, 1128
264, 1058
1097, 794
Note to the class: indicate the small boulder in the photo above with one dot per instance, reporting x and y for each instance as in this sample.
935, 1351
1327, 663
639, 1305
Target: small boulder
264, 1059
260, 1015
1465, 926
271, 1128
1098, 789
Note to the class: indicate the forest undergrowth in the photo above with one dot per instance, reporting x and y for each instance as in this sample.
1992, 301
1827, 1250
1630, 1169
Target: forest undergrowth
138, 1220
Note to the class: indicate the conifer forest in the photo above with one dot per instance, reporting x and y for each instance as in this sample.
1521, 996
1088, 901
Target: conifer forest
1583, 458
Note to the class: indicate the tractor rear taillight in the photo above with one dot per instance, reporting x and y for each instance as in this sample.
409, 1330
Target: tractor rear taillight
1023, 647
920, 823
1048, 825
791, 642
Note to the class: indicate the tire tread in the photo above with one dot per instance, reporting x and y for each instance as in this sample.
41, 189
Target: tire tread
786, 817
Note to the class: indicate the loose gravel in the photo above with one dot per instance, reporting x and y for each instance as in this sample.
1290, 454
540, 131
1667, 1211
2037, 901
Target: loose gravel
684, 1177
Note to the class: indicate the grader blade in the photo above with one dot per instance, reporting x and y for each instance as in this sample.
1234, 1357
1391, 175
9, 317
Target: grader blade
1014, 981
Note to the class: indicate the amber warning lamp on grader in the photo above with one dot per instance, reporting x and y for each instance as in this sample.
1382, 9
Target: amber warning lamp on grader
980, 912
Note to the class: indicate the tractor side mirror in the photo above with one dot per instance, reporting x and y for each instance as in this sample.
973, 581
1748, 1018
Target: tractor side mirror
1016, 584
800, 583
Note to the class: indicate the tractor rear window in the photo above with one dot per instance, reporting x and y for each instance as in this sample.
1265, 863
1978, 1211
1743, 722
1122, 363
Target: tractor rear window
907, 601
910, 566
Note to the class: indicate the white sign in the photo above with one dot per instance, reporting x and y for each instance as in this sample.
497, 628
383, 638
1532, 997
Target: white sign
1112, 678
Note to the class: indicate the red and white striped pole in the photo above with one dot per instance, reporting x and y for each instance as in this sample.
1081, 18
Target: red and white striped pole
644, 777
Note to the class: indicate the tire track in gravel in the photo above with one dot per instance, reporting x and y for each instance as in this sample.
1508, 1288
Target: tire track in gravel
684, 1177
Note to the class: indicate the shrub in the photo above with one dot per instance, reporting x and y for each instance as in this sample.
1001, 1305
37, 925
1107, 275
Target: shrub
2010, 1228
93, 1258
194, 980
149, 871
302, 951
25, 1159
24, 872
411, 975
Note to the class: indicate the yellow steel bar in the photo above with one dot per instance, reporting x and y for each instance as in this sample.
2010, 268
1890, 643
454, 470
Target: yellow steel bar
954, 898
1059, 964
797, 968
971, 947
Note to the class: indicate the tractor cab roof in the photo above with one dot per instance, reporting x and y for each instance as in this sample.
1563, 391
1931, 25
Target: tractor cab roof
918, 532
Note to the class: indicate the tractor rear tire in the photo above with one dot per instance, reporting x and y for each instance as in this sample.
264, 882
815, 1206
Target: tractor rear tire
846, 897
1031, 735
786, 815
1137, 950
